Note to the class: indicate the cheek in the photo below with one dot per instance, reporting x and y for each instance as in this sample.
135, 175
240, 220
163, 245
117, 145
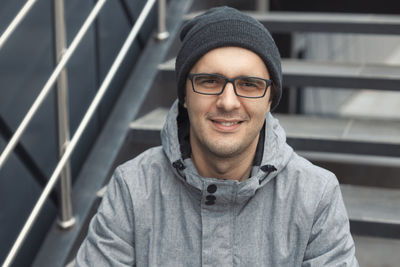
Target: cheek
258, 111
269, 106
191, 104
260, 116
191, 97
267, 103
186, 93
196, 103
194, 108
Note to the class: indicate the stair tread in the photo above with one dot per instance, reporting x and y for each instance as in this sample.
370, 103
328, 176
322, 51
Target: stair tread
377, 251
310, 127
278, 21
331, 74
153, 120
362, 70
372, 204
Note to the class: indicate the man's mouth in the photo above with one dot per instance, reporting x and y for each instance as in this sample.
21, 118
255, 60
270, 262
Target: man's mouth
225, 123
227, 126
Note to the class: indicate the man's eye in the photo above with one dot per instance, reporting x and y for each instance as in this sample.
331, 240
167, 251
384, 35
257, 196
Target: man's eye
208, 81
248, 84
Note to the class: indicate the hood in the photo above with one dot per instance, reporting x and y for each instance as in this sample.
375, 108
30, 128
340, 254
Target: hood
275, 153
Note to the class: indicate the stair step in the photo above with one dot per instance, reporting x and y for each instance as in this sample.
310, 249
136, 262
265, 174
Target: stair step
369, 204
324, 22
361, 139
342, 75
332, 74
377, 252
372, 210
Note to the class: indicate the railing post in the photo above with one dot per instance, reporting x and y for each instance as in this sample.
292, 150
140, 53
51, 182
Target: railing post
65, 217
162, 33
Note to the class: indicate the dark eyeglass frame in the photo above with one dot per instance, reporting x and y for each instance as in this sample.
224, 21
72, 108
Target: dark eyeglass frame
191, 76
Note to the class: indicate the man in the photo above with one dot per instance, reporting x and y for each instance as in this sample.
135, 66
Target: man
224, 189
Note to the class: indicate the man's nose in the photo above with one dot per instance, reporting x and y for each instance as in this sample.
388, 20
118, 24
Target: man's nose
228, 100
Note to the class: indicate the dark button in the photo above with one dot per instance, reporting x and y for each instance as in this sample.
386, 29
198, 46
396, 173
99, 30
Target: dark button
212, 188
178, 165
211, 197
210, 202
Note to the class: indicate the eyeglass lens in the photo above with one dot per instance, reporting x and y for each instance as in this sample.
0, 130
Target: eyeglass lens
214, 84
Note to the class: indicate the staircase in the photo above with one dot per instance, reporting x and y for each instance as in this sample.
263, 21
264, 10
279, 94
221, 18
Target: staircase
363, 152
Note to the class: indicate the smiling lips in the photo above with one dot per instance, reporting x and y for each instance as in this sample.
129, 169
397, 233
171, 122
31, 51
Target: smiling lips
227, 122
226, 126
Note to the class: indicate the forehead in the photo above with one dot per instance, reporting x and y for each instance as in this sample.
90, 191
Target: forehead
231, 62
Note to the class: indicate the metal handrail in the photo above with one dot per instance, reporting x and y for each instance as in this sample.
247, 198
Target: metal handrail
20, 130
85, 121
50, 82
15, 22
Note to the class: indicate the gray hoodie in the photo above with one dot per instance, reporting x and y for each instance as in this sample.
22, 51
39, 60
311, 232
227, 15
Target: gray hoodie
158, 211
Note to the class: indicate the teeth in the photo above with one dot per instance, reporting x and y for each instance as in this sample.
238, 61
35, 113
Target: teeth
227, 123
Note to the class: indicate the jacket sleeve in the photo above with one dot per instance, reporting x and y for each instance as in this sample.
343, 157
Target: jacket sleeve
330, 242
110, 238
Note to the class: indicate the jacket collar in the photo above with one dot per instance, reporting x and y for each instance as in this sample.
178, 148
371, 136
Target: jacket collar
272, 154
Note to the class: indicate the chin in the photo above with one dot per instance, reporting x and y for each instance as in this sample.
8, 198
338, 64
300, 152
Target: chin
225, 149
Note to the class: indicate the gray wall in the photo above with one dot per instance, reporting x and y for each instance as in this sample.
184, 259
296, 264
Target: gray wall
350, 48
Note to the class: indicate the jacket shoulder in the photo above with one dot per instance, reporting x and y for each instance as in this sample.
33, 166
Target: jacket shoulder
306, 184
146, 171
308, 173
148, 157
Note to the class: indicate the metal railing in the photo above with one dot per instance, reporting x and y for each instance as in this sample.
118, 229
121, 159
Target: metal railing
66, 146
16, 21
65, 220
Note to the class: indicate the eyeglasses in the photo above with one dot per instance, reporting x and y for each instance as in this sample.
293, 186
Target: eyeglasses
214, 84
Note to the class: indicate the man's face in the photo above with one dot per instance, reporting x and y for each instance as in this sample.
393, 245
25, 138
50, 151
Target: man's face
227, 125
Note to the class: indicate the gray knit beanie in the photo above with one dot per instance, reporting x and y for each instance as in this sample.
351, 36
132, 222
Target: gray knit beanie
225, 26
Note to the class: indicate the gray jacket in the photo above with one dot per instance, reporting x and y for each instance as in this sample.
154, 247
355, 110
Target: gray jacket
158, 211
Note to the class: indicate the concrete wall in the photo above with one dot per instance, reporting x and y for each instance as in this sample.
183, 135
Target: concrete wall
351, 48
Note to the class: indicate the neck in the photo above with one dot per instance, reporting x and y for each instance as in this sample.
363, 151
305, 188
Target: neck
237, 167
